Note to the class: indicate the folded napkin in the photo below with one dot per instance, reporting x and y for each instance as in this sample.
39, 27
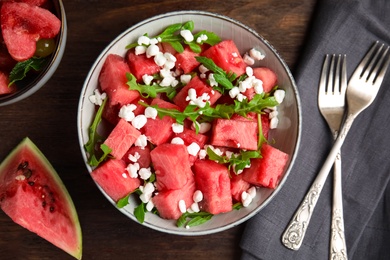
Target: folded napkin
343, 27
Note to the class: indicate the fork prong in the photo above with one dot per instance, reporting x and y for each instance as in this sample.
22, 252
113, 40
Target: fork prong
331, 75
324, 75
382, 66
344, 80
372, 61
336, 80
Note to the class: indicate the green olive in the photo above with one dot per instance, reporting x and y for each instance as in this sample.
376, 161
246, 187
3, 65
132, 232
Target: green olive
45, 47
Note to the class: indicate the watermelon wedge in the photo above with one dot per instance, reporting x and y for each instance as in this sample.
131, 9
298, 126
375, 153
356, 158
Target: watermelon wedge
33, 196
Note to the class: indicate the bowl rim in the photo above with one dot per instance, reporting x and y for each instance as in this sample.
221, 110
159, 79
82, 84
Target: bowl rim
285, 68
49, 69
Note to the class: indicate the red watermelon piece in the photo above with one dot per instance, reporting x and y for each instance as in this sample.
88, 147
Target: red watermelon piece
253, 117
167, 201
266, 171
186, 61
226, 55
4, 88
112, 179
171, 165
141, 65
269, 78
121, 138
200, 88
23, 25
237, 186
144, 161
213, 180
235, 133
112, 79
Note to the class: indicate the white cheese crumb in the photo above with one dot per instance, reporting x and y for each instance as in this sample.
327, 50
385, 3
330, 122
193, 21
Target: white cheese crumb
151, 112
274, 123
212, 81
193, 148
177, 128
185, 78
195, 207
140, 49
201, 38
139, 121
132, 169
256, 54
143, 40
149, 205
152, 50
124, 175
154, 41
202, 154
203, 127
246, 199
203, 69
234, 92
97, 98
248, 60
177, 140
187, 35
141, 141
126, 112
252, 192
147, 79
198, 196
249, 71
160, 59
182, 206
145, 173
279, 95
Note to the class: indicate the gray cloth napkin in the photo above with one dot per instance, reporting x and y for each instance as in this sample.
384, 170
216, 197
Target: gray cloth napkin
343, 27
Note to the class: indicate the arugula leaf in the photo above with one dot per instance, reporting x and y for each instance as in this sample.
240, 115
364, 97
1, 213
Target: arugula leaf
123, 201
237, 205
147, 91
212, 38
21, 69
139, 212
193, 219
95, 138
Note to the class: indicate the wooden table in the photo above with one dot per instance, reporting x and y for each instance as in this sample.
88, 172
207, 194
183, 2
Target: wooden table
49, 118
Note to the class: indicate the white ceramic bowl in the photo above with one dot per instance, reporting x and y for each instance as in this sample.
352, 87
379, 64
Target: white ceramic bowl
30, 86
287, 135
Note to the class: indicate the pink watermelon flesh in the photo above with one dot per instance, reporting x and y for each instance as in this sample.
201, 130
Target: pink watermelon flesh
200, 88
237, 186
268, 170
269, 78
226, 55
121, 138
186, 61
112, 79
214, 182
141, 65
167, 201
23, 25
171, 165
253, 117
4, 88
144, 160
33, 196
235, 134
112, 178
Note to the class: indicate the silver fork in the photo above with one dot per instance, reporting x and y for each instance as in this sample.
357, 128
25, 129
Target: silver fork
361, 92
331, 102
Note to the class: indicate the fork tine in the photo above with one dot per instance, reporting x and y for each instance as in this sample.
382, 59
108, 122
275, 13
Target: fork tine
344, 80
372, 60
383, 64
336, 80
324, 74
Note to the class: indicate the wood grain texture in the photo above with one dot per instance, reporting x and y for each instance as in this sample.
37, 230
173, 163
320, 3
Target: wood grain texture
49, 118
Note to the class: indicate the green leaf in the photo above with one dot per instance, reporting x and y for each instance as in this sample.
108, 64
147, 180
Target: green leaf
212, 38
177, 46
94, 161
21, 69
188, 26
139, 212
237, 206
194, 47
193, 219
171, 29
123, 201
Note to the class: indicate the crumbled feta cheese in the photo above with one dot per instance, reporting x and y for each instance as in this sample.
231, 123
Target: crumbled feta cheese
135, 157
139, 121
124, 175
279, 95
202, 154
203, 69
234, 92
148, 188
212, 81
182, 206
249, 71
258, 86
144, 173
147, 79
177, 128
185, 78
193, 148
141, 141
191, 94
166, 82
151, 112
201, 38
140, 49
177, 140
169, 65
147, 192
97, 98
149, 205
187, 35
170, 57
160, 59
126, 112
246, 199
252, 192
143, 40
203, 127
152, 50
197, 196
215, 150
248, 59
132, 169
195, 207
256, 54
274, 123
153, 41
240, 97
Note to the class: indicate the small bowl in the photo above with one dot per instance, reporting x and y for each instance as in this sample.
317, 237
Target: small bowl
33, 83
286, 136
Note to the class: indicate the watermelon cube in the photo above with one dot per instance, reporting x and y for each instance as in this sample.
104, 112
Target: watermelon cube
4, 88
144, 160
269, 78
171, 165
241, 134
141, 65
112, 178
213, 180
112, 79
186, 61
253, 117
226, 55
121, 138
200, 88
159, 130
237, 186
266, 171
190, 136
167, 201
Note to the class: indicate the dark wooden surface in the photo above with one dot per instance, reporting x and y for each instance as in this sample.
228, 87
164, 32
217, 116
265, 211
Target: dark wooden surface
49, 118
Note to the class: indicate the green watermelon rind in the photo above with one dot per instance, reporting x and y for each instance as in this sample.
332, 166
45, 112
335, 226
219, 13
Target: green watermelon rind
41, 159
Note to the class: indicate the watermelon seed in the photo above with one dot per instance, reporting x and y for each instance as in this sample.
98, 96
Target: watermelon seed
31, 183
27, 173
22, 165
44, 203
51, 209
